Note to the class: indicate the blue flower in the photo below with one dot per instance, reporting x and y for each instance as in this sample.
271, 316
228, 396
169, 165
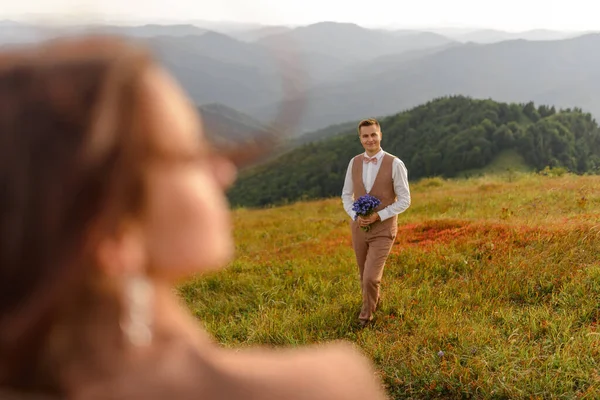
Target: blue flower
365, 206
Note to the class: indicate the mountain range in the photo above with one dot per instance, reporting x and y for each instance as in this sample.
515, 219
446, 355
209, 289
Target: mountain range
564, 73
308, 77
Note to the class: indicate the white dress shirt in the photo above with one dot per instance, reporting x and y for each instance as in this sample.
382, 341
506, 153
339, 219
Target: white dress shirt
399, 177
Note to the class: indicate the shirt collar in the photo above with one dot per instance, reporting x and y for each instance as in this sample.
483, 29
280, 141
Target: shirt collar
378, 156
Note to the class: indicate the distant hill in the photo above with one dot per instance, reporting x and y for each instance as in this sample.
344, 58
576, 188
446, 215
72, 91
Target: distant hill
246, 140
487, 36
216, 46
148, 31
14, 32
325, 133
443, 137
564, 73
223, 124
352, 42
226, 27
494, 36
215, 68
383, 64
252, 35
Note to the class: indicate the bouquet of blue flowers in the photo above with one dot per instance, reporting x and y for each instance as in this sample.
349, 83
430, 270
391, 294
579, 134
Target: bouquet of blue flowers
365, 206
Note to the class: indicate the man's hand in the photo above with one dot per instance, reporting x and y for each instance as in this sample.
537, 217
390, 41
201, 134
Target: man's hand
366, 221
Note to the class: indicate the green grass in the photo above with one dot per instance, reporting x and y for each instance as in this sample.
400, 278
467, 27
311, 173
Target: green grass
492, 289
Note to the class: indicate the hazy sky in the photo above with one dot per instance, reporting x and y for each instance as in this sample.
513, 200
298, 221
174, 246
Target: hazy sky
499, 14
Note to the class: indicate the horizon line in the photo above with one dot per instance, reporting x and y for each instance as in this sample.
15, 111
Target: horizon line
79, 19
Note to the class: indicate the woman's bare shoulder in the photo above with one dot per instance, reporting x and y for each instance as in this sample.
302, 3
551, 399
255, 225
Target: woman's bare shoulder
333, 371
327, 372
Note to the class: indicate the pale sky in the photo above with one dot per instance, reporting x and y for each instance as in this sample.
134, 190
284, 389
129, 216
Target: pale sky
510, 15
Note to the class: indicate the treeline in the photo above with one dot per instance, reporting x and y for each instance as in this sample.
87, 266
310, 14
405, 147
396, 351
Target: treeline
440, 138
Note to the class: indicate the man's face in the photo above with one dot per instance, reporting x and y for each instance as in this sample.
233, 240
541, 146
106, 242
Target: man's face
370, 138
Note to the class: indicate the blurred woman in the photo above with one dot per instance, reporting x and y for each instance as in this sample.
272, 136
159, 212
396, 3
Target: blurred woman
109, 194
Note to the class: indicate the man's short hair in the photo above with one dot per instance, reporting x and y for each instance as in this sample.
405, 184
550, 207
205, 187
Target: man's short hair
368, 122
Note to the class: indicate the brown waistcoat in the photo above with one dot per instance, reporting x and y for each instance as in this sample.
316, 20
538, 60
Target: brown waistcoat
383, 187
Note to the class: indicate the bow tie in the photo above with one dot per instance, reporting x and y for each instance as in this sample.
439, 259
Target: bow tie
369, 160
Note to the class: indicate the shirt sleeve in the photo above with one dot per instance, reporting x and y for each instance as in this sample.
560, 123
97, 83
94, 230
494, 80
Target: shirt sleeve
348, 192
401, 188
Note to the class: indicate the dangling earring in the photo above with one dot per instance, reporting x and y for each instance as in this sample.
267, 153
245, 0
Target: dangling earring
139, 296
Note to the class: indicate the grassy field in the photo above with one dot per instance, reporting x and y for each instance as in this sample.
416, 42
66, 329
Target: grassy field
492, 289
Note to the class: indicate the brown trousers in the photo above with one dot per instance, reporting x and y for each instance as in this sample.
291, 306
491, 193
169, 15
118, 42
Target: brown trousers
372, 249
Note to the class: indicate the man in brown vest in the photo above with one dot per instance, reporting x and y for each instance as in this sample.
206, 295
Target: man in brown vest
384, 176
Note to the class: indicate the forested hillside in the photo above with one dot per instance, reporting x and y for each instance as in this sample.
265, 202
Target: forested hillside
440, 138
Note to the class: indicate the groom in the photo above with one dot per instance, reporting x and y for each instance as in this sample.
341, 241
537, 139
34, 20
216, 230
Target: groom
383, 176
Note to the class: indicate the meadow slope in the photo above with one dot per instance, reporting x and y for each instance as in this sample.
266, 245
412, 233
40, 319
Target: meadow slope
491, 291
